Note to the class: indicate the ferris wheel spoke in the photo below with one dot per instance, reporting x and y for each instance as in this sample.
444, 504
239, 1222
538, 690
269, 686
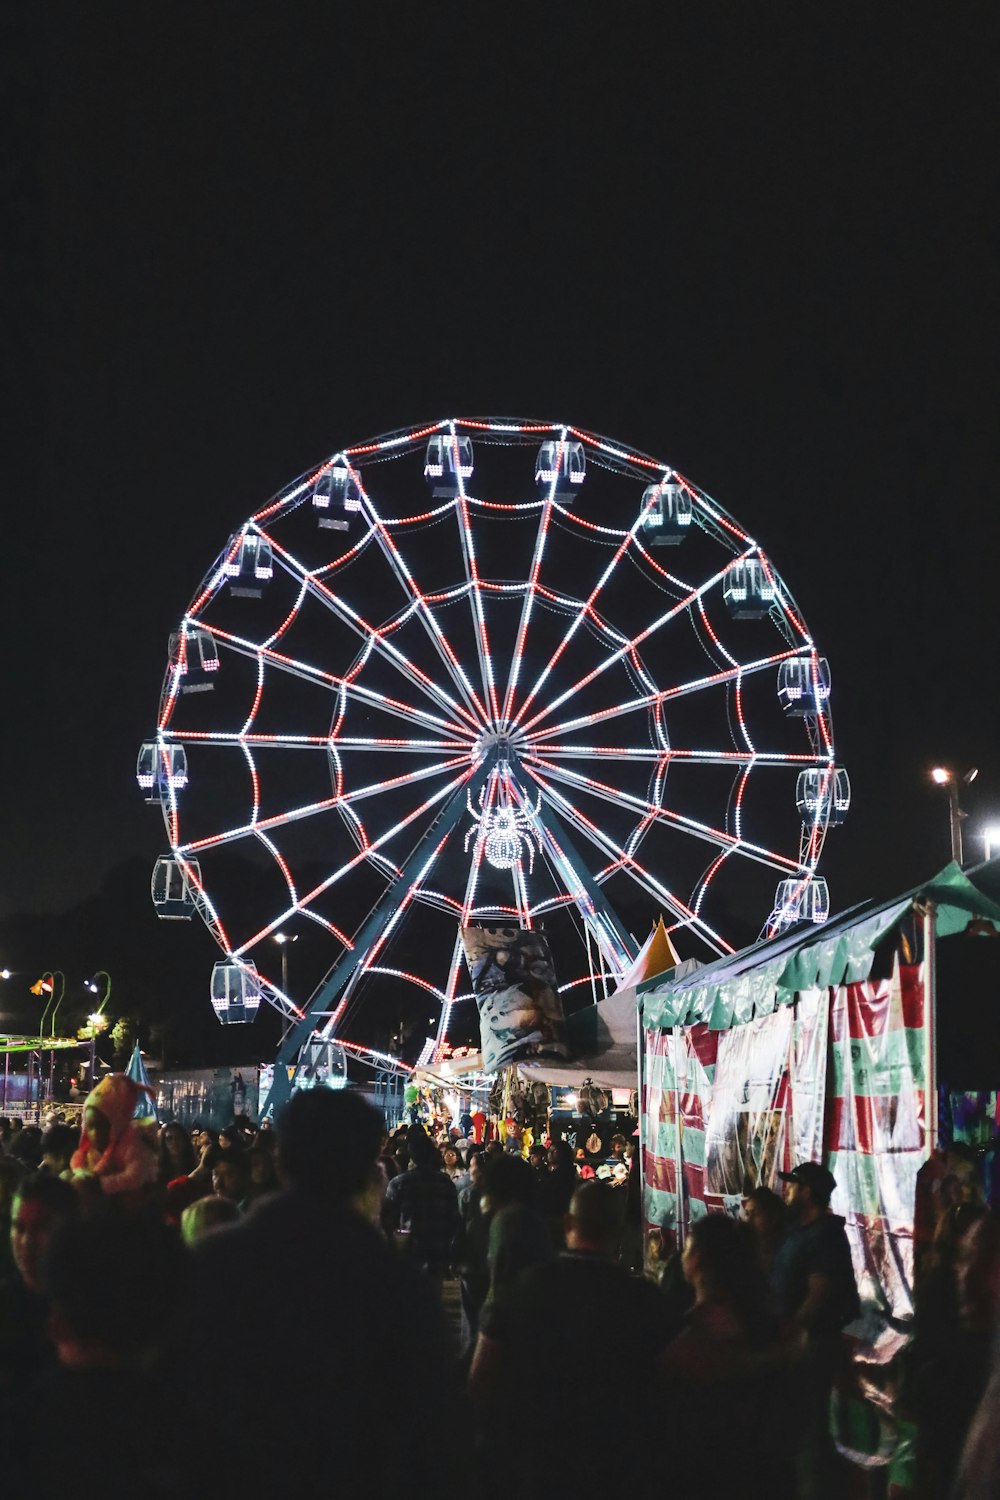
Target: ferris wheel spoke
458, 948
258, 826
475, 589
631, 645
606, 845
527, 603
653, 812
332, 683
365, 743
371, 634
424, 614
696, 685
584, 608
773, 758
363, 854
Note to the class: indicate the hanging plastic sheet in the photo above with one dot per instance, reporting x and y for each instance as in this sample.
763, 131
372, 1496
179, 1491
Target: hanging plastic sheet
678, 1074
810, 1028
747, 1125
876, 1127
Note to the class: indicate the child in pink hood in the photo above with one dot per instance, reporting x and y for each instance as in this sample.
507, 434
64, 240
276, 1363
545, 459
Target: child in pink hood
115, 1148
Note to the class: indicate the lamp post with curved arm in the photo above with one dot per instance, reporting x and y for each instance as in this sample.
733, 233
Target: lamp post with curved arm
96, 1021
55, 993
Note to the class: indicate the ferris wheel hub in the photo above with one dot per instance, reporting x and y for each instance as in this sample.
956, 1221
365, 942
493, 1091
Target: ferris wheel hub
502, 746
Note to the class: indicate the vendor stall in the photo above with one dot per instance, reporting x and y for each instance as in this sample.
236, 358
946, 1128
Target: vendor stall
816, 1045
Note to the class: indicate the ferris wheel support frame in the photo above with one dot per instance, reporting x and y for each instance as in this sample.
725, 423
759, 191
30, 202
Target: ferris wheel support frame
444, 824
619, 947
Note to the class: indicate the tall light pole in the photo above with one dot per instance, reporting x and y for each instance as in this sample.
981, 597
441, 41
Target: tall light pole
96, 1020
53, 984
942, 776
283, 939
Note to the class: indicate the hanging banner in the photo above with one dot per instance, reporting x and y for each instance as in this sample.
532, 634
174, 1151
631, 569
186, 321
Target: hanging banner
810, 1038
520, 1013
876, 1127
747, 1118
678, 1075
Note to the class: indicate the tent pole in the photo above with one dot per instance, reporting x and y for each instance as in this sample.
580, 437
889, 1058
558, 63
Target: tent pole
930, 1025
640, 1162
675, 1033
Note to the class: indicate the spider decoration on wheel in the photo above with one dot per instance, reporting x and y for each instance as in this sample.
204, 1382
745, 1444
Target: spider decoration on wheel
500, 831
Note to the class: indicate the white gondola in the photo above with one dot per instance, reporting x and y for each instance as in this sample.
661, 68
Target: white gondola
196, 655
748, 591
235, 993
336, 499
160, 768
173, 889
666, 514
800, 900
448, 464
823, 795
560, 468
322, 1064
249, 565
804, 685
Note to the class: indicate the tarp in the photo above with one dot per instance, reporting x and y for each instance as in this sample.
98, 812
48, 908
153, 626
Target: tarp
602, 1042
602, 1038
754, 981
145, 1109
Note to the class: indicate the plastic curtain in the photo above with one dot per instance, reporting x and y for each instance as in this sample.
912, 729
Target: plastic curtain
876, 1127
838, 1077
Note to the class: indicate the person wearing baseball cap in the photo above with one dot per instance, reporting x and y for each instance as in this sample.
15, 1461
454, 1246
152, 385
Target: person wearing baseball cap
814, 1287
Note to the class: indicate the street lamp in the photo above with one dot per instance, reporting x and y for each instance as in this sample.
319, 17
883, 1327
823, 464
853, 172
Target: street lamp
942, 776
96, 1020
283, 939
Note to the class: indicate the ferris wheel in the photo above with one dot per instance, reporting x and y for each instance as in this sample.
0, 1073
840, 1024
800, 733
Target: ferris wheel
486, 670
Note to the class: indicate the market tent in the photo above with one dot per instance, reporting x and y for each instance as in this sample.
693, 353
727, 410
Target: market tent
754, 981
796, 1049
602, 1038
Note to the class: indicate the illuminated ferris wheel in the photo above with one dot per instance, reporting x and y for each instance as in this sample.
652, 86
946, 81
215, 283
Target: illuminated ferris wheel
486, 671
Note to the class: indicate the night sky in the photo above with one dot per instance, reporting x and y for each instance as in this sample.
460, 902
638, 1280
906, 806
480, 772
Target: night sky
759, 242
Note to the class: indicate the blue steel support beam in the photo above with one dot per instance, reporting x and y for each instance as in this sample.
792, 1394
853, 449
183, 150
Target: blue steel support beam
443, 825
554, 826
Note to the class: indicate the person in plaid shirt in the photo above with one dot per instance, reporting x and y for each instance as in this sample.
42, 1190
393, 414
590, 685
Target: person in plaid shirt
421, 1206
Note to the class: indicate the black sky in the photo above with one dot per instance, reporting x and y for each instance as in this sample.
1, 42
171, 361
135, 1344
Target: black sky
758, 241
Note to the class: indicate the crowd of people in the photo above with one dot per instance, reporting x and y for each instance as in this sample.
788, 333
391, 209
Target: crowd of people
186, 1310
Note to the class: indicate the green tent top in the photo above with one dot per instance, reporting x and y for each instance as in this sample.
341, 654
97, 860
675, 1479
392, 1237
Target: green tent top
755, 980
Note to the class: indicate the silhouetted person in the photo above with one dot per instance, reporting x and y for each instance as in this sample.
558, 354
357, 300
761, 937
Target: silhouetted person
764, 1212
114, 1286
421, 1207
728, 1358
345, 1316
814, 1285
573, 1318
964, 1430
42, 1205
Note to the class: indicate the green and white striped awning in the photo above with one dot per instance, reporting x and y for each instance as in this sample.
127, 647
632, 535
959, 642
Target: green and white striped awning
755, 980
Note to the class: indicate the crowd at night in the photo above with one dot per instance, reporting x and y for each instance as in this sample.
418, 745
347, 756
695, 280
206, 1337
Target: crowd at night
147, 1273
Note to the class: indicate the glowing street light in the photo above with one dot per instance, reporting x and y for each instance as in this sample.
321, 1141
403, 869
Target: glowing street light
991, 838
942, 776
283, 939
97, 1019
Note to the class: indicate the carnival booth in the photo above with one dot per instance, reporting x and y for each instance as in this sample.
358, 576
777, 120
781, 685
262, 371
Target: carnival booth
819, 1044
